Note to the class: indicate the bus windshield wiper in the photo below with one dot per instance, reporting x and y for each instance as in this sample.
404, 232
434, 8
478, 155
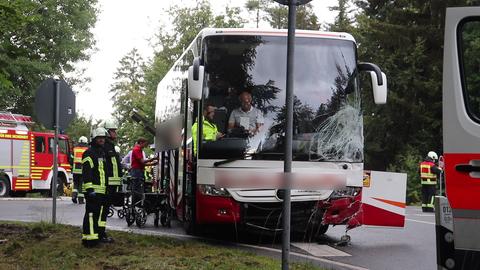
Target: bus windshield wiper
230, 160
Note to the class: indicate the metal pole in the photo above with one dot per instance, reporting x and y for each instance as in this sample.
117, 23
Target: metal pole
441, 183
287, 166
55, 150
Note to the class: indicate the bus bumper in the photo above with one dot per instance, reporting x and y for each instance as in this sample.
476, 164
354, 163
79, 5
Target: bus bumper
217, 209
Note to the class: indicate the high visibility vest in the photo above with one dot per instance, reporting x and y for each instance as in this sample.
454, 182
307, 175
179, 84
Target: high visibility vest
210, 131
94, 174
77, 159
115, 179
426, 175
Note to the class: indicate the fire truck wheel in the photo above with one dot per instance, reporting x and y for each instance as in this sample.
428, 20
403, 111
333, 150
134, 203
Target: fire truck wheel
4, 186
60, 185
62, 182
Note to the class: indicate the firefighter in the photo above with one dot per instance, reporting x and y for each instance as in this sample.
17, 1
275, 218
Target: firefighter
114, 167
429, 173
77, 169
113, 157
95, 183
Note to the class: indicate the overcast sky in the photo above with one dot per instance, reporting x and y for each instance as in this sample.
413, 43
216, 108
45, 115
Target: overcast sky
126, 24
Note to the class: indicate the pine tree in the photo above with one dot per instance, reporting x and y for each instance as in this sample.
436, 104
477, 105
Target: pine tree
128, 93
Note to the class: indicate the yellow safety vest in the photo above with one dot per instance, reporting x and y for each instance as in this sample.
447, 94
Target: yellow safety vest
77, 159
210, 132
426, 175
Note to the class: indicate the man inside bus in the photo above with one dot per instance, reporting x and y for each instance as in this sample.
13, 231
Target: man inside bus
209, 129
246, 117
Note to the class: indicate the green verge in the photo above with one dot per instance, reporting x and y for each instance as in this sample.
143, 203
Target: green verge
47, 246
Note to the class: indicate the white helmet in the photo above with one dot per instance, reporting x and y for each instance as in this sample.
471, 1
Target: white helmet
110, 124
99, 132
117, 149
83, 139
432, 155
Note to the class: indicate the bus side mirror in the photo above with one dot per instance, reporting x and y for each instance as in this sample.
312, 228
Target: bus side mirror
195, 80
379, 82
379, 91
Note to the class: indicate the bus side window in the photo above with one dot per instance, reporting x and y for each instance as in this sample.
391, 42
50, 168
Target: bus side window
39, 144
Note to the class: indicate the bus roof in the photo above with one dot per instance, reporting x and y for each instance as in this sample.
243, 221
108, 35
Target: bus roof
275, 32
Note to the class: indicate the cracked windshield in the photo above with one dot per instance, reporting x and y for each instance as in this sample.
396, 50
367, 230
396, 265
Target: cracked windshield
245, 99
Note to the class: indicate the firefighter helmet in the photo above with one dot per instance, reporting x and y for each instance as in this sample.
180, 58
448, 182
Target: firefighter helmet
432, 155
110, 124
83, 139
99, 132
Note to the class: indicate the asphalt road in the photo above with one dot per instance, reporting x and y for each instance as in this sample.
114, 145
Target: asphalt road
412, 247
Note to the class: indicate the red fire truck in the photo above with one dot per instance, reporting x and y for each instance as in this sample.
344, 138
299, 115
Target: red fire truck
26, 159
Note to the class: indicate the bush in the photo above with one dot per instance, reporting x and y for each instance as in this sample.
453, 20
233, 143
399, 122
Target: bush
407, 162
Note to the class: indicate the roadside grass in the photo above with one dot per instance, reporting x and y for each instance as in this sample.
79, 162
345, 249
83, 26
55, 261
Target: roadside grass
35, 195
48, 246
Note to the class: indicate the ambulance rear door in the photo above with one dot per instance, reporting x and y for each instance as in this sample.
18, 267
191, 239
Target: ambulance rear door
461, 123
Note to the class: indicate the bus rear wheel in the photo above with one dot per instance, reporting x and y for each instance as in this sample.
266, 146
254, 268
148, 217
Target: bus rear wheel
4, 186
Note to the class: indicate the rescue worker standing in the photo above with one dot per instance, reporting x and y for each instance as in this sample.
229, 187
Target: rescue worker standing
429, 173
113, 157
95, 187
113, 162
77, 169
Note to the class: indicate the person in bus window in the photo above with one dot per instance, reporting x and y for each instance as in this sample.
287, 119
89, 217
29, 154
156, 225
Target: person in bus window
209, 130
246, 116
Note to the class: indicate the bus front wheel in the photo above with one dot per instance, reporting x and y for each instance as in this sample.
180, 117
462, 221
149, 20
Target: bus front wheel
190, 225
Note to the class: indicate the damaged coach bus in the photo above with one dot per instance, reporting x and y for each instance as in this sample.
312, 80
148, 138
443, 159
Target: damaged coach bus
234, 79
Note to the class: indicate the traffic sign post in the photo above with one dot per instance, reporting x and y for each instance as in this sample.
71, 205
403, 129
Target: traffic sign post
287, 165
55, 109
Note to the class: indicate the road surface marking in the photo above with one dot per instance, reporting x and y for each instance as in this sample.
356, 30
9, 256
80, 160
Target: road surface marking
419, 221
349, 266
320, 250
421, 215
62, 198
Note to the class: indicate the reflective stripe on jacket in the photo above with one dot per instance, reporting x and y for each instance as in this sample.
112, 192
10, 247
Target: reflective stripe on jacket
114, 171
210, 132
93, 170
77, 159
426, 175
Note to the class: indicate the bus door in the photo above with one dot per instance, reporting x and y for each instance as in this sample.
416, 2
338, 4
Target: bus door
461, 123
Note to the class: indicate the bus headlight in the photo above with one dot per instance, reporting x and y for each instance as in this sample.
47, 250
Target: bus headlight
211, 190
346, 192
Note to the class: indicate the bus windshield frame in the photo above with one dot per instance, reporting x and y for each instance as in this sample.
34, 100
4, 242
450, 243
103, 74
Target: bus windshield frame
245, 88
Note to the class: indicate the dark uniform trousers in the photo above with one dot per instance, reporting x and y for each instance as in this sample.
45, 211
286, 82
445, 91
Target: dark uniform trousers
77, 185
114, 173
428, 195
95, 219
